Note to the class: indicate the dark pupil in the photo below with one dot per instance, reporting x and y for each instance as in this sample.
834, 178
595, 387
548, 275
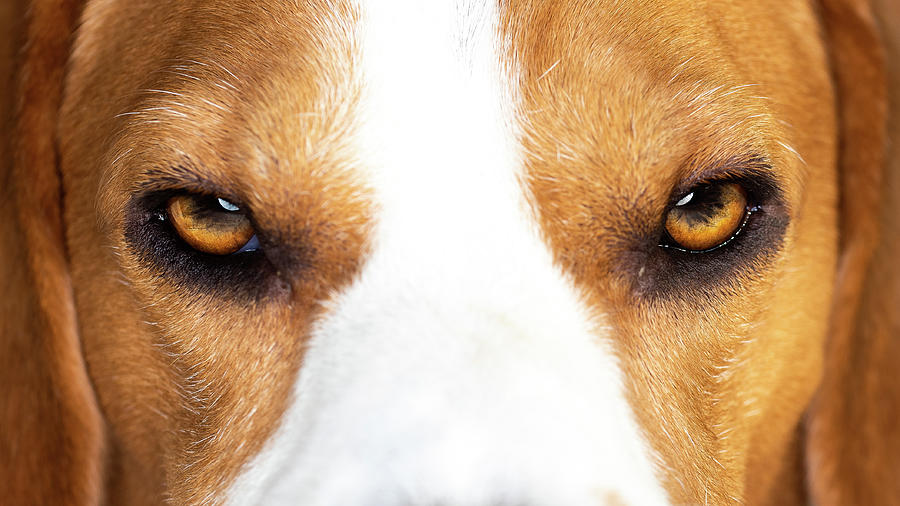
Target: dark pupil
209, 207
705, 206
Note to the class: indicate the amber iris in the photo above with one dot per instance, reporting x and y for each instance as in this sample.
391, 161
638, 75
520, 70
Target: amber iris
708, 216
209, 224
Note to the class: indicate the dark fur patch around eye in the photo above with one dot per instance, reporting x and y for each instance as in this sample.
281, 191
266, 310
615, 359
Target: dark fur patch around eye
660, 269
245, 276
654, 268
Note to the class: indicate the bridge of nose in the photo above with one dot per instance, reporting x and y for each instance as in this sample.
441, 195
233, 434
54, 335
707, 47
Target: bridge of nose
460, 367
429, 383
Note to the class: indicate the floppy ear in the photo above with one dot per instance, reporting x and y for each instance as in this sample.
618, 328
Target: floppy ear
853, 426
51, 433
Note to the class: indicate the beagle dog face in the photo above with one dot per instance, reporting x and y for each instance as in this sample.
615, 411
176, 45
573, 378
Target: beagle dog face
451, 252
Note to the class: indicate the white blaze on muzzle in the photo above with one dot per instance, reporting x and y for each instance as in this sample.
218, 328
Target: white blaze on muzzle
461, 368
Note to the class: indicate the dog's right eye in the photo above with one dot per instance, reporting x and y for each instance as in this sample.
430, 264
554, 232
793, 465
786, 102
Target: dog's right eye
202, 239
708, 217
210, 224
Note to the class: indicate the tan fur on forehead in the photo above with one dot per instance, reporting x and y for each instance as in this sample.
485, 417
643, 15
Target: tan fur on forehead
218, 87
622, 103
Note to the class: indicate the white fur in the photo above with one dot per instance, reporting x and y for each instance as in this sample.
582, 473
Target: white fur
461, 368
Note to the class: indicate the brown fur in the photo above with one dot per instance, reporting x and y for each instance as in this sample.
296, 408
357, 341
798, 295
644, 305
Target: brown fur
52, 431
854, 439
191, 387
720, 395
149, 394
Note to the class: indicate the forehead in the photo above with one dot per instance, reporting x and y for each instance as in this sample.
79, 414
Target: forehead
652, 86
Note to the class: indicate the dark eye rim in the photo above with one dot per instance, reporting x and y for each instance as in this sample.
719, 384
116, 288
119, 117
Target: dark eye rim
151, 240
762, 192
664, 271
153, 204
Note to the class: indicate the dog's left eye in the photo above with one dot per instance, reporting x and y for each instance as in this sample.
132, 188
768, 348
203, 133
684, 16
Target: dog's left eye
708, 216
211, 224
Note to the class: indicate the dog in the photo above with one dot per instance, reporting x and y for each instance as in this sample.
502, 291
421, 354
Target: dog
449, 252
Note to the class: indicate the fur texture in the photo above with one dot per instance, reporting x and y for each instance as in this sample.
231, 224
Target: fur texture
52, 447
854, 443
552, 137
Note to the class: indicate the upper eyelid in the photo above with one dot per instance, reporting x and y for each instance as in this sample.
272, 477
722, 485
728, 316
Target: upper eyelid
733, 168
181, 180
760, 182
